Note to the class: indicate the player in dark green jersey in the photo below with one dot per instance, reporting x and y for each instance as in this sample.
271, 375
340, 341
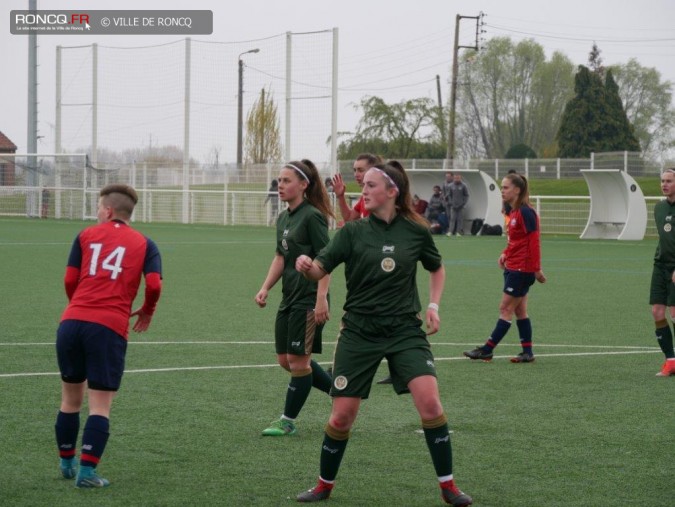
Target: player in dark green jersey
662, 290
382, 320
301, 230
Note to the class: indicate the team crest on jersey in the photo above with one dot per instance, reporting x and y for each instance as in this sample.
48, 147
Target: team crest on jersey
388, 264
513, 222
340, 382
669, 218
667, 227
388, 249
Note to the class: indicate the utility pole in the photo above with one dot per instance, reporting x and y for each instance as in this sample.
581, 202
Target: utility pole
440, 108
240, 106
453, 86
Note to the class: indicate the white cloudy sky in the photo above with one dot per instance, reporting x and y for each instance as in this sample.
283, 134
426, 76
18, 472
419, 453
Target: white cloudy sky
391, 49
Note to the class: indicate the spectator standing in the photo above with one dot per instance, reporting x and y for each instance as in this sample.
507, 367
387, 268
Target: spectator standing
456, 200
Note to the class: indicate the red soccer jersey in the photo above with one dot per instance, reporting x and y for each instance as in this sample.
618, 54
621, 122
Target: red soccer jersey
111, 258
523, 251
360, 206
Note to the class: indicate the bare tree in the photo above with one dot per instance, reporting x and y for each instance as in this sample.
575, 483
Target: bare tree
263, 138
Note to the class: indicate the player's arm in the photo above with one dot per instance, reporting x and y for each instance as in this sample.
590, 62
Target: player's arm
273, 275
310, 269
321, 310
153, 289
436, 284
152, 270
72, 276
348, 214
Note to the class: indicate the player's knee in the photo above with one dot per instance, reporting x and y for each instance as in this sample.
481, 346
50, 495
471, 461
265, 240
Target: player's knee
658, 312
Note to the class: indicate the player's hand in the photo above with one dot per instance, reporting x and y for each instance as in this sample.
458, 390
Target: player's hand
540, 276
433, 321
321, 313
338, 185
142, 322
303, 263
502, 261
261, 298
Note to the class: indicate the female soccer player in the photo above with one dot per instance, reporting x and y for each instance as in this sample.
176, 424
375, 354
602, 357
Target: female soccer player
521, 262
105, 267
382, 320
301, 229
662, 290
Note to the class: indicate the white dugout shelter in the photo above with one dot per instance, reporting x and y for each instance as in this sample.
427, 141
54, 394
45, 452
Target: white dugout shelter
618, 207
485, 198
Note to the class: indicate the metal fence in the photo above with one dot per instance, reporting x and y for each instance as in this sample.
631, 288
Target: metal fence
66, 187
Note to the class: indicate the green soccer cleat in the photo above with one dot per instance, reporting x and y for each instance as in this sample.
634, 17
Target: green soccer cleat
280, 428
68, 468
88, 478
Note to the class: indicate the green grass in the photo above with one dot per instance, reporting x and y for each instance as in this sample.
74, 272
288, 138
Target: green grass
587, 424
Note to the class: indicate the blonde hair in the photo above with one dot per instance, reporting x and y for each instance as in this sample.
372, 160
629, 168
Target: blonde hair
520, 181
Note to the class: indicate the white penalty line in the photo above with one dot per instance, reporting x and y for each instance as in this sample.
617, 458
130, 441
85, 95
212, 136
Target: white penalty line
433, 344
246, 366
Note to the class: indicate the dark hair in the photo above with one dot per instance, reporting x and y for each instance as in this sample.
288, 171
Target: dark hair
520, 181
396, 164
121, 198
316, 191
275, 183
370, 158
403, 202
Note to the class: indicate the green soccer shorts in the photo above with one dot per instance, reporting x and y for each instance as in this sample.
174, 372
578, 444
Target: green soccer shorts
365, 340
296, 332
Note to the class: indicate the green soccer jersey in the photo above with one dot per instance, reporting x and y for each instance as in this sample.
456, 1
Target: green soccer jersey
664, 216
303, 231
381, 264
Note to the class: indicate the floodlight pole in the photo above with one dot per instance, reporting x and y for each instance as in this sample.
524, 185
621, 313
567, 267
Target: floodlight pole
240, 106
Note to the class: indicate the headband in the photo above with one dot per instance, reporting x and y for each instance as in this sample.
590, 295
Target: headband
388, 178
299, 171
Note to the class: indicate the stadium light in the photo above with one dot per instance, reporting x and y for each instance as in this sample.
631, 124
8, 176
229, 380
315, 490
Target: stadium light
240, 105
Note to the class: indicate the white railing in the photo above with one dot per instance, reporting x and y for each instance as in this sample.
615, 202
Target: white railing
560, 214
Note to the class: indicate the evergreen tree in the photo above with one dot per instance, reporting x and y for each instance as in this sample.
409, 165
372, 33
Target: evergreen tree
594, 120
619, 134
595, 61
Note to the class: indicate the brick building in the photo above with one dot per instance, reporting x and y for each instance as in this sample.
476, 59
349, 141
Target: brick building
7, 169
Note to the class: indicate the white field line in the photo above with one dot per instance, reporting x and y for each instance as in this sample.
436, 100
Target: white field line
433, 344
248, 366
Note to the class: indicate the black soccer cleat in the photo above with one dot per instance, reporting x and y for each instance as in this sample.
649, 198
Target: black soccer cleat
318, 493
455, 497
479, 353
386, 380
523, 357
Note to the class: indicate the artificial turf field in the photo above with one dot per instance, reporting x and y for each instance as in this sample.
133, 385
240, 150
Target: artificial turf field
587, 424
